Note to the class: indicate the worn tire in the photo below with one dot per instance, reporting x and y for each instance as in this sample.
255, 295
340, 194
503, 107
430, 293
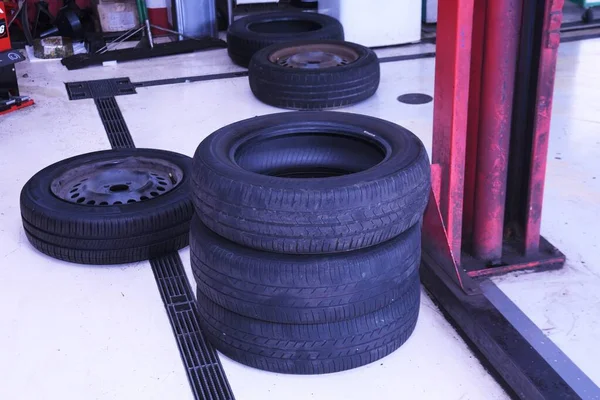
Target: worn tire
302, 288
381, 191
244, 38
107, 234
312, 348
314, 88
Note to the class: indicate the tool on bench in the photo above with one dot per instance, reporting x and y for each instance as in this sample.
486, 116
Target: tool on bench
67, 23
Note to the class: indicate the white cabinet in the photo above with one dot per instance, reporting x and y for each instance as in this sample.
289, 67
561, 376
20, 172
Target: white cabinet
377, 22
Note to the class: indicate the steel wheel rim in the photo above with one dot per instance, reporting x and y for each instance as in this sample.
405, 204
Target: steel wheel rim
117, 181
314, 56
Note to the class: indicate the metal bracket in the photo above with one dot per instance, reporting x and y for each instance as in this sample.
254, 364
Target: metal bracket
435, 243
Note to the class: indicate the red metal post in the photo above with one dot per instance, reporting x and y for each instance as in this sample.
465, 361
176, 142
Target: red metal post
503, 19
473, 123
543, 110
453, 58
472, 147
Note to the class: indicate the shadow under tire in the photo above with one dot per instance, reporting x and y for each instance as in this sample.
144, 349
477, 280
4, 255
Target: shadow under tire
302, 289
312, 348
110, 207
249, 34
314, 75
311, 182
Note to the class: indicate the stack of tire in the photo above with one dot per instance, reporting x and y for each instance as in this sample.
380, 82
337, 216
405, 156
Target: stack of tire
300, 61
306, 241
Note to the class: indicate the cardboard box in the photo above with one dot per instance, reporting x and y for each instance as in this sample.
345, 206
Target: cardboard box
117, 15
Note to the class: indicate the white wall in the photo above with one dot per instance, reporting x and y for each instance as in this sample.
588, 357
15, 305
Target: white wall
431, 10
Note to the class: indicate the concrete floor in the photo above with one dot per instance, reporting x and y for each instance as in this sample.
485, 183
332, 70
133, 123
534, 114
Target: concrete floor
79, 332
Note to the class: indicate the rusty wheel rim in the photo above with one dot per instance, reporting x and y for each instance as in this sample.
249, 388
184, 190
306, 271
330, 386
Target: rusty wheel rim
314, 56
117, 181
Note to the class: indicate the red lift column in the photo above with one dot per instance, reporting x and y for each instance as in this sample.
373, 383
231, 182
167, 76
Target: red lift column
490, 142
480, 222
502, 23
542, 113
451, 98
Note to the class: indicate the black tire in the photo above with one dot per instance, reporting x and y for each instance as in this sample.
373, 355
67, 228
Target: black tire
244, 37
340, 82
108, 234
313, 348
240, 194
302, 289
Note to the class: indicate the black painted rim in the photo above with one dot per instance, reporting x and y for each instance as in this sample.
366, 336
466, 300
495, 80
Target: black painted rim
314, 56
117, 181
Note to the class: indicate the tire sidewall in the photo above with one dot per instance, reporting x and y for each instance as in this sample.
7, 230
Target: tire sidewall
240, 28
242, 43
373, 264
216, 151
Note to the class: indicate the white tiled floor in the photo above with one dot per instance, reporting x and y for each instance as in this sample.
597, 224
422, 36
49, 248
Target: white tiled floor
79, 332
565, 304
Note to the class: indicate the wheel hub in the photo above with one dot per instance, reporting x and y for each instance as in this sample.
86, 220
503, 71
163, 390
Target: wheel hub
313, 60
119, 181
314, 56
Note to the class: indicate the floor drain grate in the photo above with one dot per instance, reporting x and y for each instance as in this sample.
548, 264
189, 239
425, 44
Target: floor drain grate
204, 369
100, 88
205, 372
114, 124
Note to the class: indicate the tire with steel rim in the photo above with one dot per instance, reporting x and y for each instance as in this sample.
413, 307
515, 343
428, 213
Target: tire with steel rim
109, 207
314, 75
248, 35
